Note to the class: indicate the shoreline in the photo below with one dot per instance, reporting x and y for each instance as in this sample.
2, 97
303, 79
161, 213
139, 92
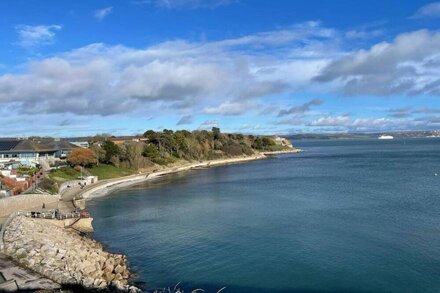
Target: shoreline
104, 188
117, 275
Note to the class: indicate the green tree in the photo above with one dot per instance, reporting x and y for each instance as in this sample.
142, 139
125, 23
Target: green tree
99, 152
111, 151
216, 132
149, 134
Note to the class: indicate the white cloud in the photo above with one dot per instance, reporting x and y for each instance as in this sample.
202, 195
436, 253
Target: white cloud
298, 32
30, 36
370, 124
228, 77
364, 34
294, 120
403, 66
223, 77
428, 10
187, 4
331, 121
100, 14
230, 108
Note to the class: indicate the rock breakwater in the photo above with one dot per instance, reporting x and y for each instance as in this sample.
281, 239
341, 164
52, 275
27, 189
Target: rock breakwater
64, 256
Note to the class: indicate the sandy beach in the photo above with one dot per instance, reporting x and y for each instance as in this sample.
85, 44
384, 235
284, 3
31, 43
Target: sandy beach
103, 188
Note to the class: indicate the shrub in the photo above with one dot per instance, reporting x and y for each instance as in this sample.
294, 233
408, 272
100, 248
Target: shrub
83, 157
48, 185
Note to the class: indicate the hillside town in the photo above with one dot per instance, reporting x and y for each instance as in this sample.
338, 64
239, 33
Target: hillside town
23, 162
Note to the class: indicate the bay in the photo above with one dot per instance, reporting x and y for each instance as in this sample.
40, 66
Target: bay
343, 216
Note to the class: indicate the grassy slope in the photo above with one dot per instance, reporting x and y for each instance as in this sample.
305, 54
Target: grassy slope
102, 171
273, 148
109, 171
65, 174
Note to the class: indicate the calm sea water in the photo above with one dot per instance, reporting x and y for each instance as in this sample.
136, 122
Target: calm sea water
344, 216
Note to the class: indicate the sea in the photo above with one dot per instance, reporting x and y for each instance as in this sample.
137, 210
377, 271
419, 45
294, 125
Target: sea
342, 216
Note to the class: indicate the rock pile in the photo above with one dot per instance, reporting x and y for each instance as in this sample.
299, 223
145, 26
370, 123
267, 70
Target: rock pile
64, 256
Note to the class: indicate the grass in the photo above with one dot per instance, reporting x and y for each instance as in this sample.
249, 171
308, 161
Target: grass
65, 174
109, 171
274, 148
103, 171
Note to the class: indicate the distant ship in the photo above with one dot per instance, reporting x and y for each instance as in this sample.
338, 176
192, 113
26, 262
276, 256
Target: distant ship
386, 137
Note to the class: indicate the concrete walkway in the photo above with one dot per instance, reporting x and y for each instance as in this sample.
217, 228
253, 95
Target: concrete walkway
26, 279
66, 202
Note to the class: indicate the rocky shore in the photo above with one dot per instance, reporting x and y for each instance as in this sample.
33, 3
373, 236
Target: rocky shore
64, 256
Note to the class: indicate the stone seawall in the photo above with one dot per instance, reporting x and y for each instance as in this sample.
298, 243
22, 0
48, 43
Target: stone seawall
25, 202
64, 256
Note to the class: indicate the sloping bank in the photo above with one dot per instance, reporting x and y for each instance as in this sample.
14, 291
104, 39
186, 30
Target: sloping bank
104, 188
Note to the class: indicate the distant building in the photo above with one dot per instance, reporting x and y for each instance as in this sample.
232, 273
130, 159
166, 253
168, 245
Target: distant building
4, 190
140, 139
81, 144
123, 139
12, 184
29, 151
118, 141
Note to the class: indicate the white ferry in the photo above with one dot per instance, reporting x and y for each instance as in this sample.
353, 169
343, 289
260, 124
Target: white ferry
386, 137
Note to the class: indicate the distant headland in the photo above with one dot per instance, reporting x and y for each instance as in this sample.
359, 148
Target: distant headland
353, 135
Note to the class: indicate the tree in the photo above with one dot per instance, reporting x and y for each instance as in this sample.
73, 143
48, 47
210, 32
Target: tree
216, 132
99, 152
133, 153
111, 150
149, 134
168, 131
82, 157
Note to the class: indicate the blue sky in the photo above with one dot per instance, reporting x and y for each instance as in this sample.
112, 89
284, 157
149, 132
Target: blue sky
72, 68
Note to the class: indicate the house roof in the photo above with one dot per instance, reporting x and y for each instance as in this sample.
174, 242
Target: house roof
8, 144
34, 145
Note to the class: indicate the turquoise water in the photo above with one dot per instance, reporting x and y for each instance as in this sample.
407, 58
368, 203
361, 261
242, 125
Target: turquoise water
343, 216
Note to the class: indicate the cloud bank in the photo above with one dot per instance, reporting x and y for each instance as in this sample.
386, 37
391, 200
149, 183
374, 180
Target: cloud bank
406, 66
259, 73
215, 77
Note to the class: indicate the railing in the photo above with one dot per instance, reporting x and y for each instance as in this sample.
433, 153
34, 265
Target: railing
41, 215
